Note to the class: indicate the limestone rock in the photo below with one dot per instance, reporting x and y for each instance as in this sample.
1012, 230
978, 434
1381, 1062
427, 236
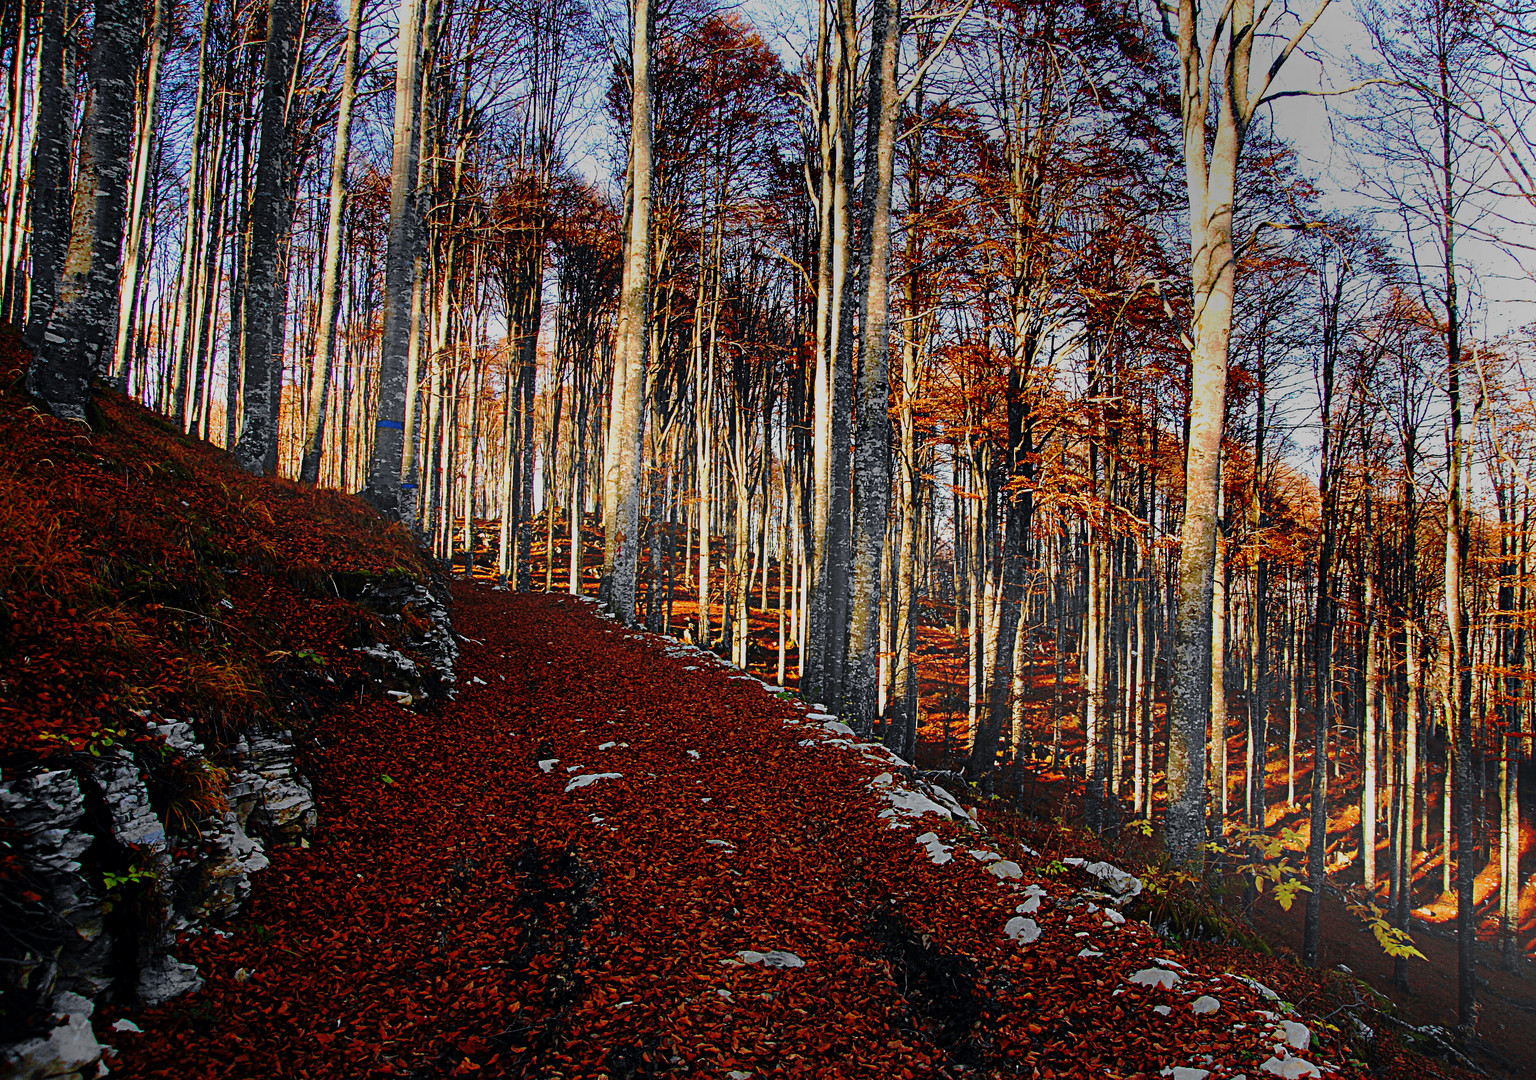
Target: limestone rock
66, 1051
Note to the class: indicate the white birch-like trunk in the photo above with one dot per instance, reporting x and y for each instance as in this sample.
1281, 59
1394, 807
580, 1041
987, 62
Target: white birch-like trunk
143, 151
621, 469
330, 274
387, 459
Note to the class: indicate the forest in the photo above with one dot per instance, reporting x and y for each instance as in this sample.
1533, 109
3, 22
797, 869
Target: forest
1134, 393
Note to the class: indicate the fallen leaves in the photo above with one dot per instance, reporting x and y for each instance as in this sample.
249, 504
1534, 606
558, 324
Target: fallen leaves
497, 912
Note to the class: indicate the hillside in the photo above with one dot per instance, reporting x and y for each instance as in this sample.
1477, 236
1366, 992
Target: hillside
169, 630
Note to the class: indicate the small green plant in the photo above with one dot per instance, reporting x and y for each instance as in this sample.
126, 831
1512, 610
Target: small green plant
1394, 941
93, 743
1054, 867
134, 875
116, 886
385, 778
1266, 864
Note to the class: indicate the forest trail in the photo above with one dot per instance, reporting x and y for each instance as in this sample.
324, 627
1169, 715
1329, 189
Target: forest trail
470, 905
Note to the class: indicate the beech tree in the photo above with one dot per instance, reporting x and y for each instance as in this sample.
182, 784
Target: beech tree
621, 479
1215, 77
84, 314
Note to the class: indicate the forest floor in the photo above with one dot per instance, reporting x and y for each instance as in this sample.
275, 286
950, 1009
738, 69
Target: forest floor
586, 865
1035, 787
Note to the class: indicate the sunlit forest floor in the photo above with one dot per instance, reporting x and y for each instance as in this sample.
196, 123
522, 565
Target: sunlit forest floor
1036, 785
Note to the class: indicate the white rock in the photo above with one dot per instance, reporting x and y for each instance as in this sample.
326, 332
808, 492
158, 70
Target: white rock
69, 1048
1021, 929
1162, 1010
1005, 870
775, 958
1255, 985
548, 764
1156, 976
1297, 1036
1204, 1004
1123, 884
907, 803
1184, 1072
950, 803
938, 851
1030, 906
126, 1025
587, 779
167, 978
694, 754
1290, 1068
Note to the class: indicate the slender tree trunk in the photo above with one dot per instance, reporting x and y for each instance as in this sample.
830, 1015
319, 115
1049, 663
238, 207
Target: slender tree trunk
1368, 796
872, 472
621, 480
1459, 689
330, 275
1219, 720
50, 210
143, 151
388, 457
271, 220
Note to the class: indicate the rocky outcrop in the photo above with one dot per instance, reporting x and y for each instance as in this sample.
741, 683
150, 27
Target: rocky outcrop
68, 1051
423, 670
105, 862
109, 878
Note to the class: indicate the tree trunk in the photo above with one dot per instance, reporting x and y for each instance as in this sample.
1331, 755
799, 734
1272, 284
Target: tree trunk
621, 480
85, 314
50, 210
325, 340
872, 471
384, 473
143, 150
271, 219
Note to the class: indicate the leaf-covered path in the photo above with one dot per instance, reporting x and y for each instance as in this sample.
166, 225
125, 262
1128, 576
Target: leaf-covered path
559, 873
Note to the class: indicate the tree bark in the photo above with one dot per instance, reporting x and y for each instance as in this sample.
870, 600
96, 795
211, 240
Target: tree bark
143, 151
384, 472
621, 480
271, 220
325, 341
872, 472
49, 210
85, 314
